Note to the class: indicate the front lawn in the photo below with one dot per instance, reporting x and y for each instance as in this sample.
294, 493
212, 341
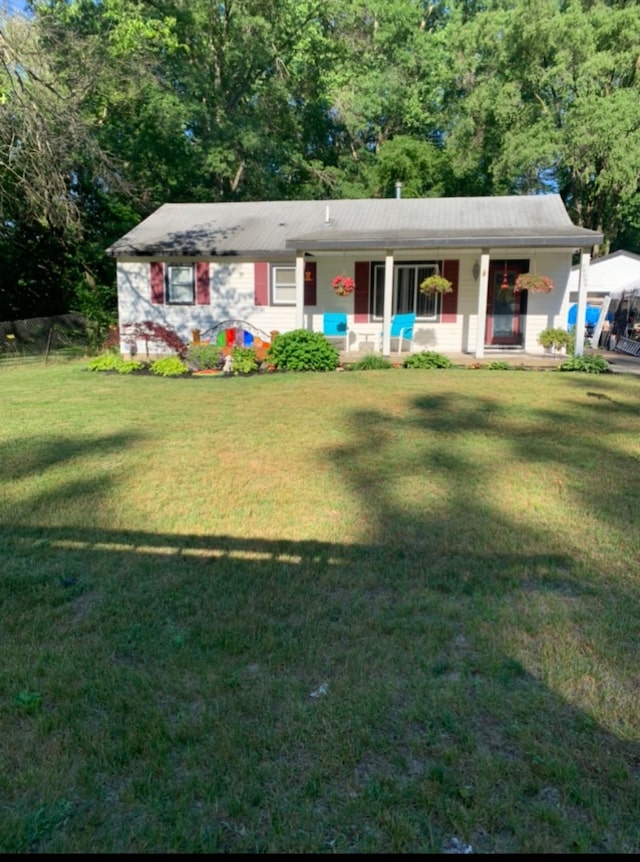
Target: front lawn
369, 612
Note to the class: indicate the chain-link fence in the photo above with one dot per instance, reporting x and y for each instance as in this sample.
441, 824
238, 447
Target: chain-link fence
44, 338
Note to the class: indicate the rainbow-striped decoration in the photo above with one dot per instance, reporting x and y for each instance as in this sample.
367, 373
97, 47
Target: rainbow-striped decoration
235, 337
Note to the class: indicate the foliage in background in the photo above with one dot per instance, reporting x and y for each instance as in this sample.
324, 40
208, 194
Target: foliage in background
109, 109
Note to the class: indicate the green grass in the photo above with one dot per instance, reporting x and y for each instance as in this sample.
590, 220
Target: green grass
310, 613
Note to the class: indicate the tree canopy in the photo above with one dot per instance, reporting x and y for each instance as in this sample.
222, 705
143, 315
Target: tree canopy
109, 108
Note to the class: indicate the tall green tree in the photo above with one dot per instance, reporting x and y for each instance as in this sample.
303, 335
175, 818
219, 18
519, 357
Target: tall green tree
108, 108
52, 169
545, 95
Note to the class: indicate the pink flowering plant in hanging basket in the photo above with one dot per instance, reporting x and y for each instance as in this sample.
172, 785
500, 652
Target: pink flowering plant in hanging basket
533, 283
343, 285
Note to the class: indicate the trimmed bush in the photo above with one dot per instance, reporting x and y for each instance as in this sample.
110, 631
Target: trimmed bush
301, 350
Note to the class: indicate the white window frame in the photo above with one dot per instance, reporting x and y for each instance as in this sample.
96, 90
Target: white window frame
407, 277
180, 284
280, 285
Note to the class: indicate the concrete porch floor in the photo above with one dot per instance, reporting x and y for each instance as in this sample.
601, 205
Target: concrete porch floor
619, 363
518, 359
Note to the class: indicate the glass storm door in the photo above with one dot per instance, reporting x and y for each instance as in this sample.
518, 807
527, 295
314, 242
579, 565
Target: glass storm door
504, 307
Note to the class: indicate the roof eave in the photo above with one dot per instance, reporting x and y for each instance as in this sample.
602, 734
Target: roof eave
190, 252
573, 240
442, 241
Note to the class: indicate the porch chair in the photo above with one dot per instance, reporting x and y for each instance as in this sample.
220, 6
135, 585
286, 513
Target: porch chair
402, 328
334, 326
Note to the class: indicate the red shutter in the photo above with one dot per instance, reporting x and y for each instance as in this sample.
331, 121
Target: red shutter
450, 270
361, 298
203, 289
310, 283
261, 283
157, 282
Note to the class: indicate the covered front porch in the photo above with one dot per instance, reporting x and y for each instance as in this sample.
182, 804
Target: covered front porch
484, 313
481, 246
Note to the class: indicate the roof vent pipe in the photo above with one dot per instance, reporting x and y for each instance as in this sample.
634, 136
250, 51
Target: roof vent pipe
398, 190
327, 216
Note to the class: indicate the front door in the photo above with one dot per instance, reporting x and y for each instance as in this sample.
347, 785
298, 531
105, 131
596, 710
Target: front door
504, 306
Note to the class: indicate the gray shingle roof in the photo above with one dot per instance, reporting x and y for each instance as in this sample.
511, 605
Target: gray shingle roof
279, 228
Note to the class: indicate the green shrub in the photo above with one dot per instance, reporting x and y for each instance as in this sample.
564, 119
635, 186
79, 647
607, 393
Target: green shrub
244, 360
301, 350
371, 361
105, 362
128, 366
169, 366
427, 359
499, 365
589, 364
204, 357
114, 362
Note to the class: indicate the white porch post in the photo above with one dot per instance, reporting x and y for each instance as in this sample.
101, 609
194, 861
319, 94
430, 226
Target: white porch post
388, 304
483, 281
581, 311
299, 318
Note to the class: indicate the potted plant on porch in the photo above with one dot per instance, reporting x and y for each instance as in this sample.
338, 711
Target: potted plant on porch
555, 341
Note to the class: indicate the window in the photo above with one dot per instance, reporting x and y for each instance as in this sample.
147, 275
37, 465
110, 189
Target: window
180, 285
283, 281
406, 294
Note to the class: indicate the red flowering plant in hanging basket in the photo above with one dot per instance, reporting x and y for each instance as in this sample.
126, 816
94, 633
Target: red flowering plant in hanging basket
343, 285
533, 283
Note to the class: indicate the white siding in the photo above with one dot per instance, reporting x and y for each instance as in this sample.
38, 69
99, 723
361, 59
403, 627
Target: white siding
232, 298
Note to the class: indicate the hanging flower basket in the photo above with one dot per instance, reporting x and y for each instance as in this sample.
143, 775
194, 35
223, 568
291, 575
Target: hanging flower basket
435, 284
343, 285
533, 283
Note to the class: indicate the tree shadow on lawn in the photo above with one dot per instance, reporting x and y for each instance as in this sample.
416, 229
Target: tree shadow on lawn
425, 715
358, 697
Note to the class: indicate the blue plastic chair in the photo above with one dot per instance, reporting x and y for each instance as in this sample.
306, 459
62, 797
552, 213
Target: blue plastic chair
334, 326
402, 328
